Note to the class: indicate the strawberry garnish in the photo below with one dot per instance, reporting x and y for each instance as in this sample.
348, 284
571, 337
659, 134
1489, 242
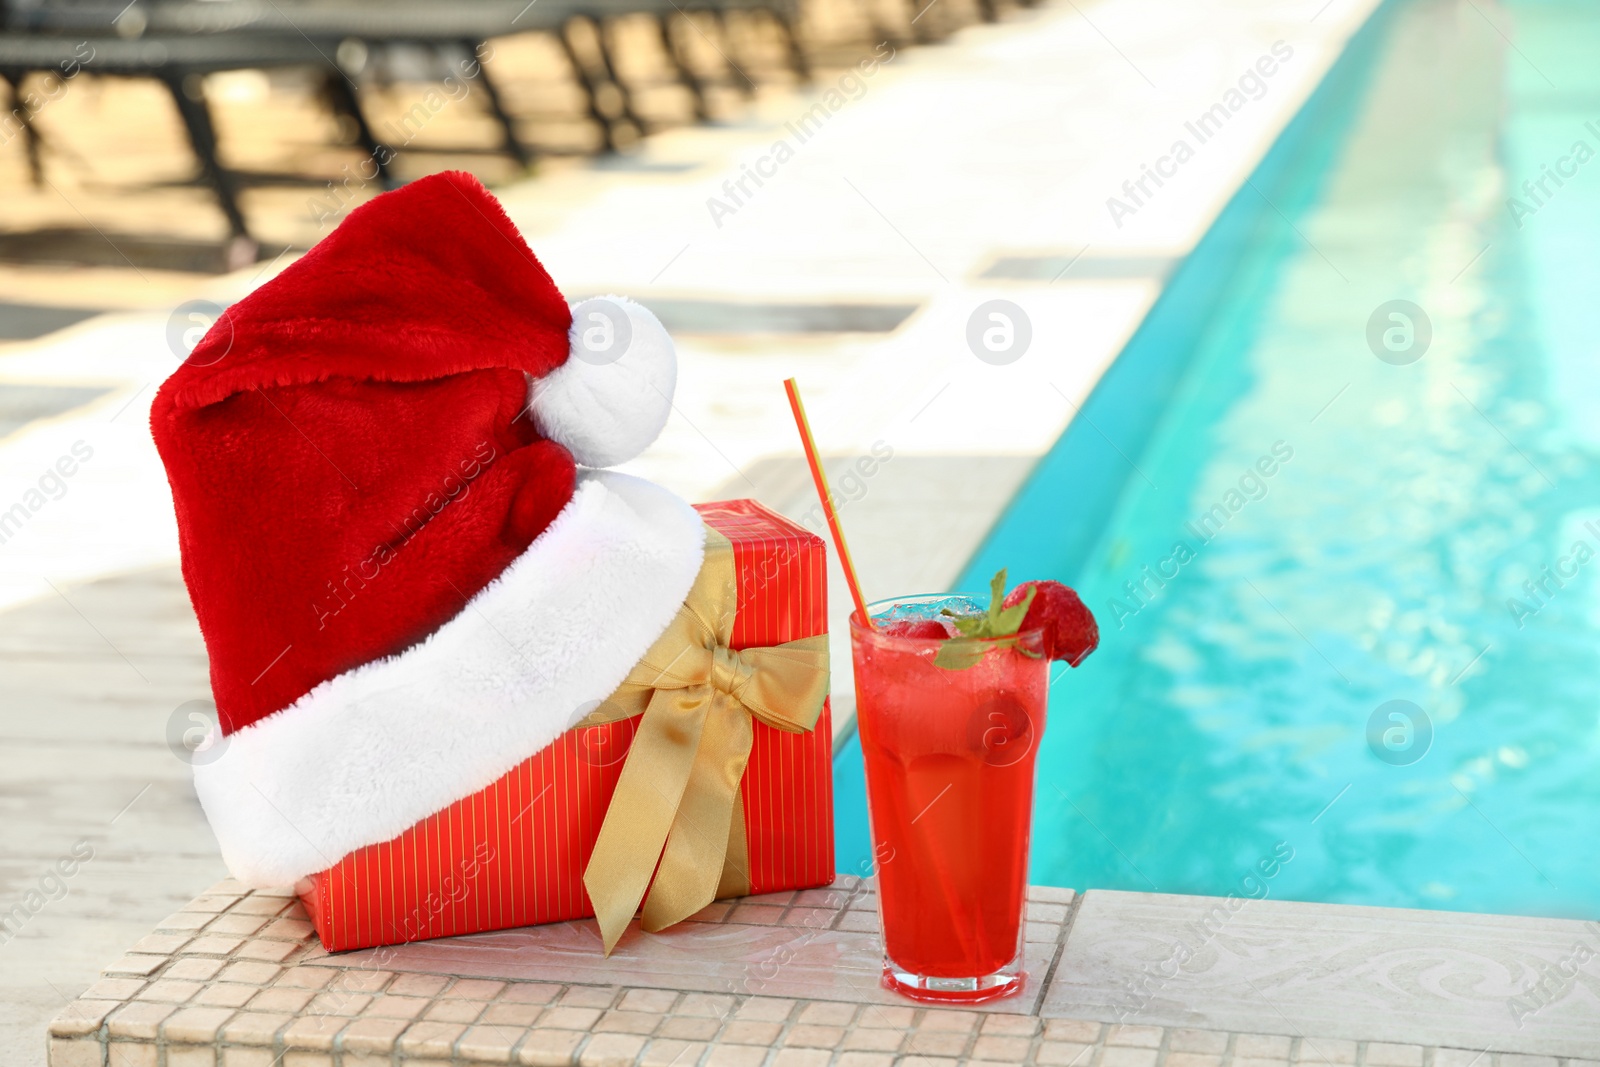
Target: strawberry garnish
1070, 632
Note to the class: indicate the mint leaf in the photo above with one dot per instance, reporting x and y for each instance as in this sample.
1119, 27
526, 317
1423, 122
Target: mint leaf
958, 653
997, 597
1009, 621
969, 625
979, 633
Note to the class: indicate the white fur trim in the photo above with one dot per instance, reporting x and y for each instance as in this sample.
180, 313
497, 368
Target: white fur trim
366, 755
611, 397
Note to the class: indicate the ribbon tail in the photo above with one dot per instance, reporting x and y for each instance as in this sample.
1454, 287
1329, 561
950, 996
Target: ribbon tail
692, 864
735, 881
642, 811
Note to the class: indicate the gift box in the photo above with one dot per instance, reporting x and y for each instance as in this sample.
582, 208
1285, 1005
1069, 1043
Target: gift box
517, 852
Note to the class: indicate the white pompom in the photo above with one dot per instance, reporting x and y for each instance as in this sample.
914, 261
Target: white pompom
611, 397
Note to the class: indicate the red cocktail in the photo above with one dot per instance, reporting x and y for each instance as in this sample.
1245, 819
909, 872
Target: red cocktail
949, 749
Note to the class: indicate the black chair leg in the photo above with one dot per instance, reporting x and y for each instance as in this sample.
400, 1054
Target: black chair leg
602, 41
31, 141
590, 86
686, 75
196, 114
342, 95
746, 85
511, 143
798, 62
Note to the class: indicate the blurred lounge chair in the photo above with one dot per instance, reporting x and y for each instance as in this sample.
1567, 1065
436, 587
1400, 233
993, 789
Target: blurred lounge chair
177, 42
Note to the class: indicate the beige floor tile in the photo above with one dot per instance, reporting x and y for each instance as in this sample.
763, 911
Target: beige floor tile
224, 995
475, 989
1325, 1050
997, 1047
254, 1028
628, 1022
249, 1057
189, 1056
865, 1059
69, 1052
314, 1031
1065, 1054
427, 1038
512, 1014
1384, 1054
611, 1050
376, 1035
565, 1018
887, 1016
750, 1032
689, 1028
308, 977
1194, 1059
1211, 1041
461, 1011
282, 998
706, 1004
936, 1043
735, 1056
549, 1048
810, 1035
417, 985
142, 966
586, 996
765, 1009
1115, 1056
823, 1013
961, 1022
1012, 1025
168, 991
868, 1039
193, 969
81, 1017
194, 1026
672, 1053
390, 1006
659, 1001
801, 1057
121, 1054
240, 925
138, 1020
1134, 1036
1262, 1046
490, 1044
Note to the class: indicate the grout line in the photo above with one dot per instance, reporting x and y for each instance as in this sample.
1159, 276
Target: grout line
1057, 958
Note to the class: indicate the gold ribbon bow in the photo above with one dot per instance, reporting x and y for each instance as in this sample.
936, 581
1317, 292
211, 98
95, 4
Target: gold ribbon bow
678, 797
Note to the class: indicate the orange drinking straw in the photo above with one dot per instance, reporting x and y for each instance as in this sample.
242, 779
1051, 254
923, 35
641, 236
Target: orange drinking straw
821, 481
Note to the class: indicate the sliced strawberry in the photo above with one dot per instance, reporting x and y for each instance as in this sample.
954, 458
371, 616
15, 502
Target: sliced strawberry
927, 629
1069, 628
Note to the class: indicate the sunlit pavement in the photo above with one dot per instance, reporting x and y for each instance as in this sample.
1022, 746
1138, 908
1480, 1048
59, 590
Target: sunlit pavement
935, 181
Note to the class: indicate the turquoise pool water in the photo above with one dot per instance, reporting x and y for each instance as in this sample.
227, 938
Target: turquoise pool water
1397, 550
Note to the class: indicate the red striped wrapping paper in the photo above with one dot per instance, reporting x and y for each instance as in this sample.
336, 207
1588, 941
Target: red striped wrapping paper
513, 854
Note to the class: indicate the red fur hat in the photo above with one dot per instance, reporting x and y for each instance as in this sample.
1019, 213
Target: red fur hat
409, 572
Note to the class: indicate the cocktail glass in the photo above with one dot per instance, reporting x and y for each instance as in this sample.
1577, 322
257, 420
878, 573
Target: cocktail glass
949, 758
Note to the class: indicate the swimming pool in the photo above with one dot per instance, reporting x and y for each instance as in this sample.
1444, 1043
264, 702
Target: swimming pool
1378, 648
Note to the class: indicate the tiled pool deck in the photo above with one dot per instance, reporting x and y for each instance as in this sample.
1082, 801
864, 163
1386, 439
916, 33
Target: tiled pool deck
103, 655
789, 980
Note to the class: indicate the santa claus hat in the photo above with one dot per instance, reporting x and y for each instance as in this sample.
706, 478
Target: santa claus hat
406, 581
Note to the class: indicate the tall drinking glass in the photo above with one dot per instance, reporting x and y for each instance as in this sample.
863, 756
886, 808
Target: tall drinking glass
949, 754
